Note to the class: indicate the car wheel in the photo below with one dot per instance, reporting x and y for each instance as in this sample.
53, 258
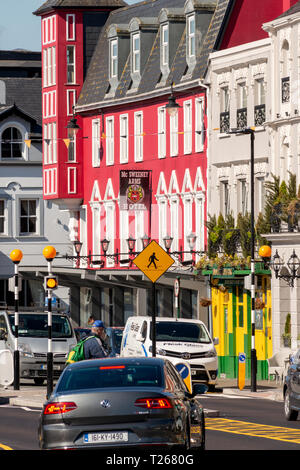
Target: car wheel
38, 380
290, 414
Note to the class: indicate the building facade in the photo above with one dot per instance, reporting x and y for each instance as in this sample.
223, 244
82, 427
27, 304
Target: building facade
27, 221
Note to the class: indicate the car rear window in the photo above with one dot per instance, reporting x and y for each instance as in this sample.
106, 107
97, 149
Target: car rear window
110, 377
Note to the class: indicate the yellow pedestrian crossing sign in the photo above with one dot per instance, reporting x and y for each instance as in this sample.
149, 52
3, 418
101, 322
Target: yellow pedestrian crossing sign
153, 261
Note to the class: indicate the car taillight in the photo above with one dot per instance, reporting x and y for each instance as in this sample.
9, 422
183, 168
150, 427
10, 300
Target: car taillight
59, 408
153, 403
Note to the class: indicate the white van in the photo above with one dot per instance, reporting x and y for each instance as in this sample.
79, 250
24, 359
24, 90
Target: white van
176, 339
33, 342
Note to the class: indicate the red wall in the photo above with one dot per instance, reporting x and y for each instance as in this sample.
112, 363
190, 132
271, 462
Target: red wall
247, 18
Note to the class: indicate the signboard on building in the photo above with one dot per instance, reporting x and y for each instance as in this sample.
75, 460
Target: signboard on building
135, 190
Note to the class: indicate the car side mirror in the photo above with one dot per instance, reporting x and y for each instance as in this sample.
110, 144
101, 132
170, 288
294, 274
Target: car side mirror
216, 341
3, 335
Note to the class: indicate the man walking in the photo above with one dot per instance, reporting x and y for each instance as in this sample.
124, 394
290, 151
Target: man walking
95, 347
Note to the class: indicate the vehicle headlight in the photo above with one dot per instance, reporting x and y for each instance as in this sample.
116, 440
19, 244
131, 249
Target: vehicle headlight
25, 350
211, 353
161, 352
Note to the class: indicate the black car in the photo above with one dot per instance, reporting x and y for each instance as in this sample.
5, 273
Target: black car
291, 389
122, 402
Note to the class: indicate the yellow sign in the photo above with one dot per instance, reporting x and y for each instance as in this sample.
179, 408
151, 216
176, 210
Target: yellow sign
153, 261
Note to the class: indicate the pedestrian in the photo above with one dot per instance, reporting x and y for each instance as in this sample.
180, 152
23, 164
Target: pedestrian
91, 320
95, 347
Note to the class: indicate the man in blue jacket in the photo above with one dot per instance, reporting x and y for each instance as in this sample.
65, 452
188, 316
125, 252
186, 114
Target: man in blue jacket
95, 347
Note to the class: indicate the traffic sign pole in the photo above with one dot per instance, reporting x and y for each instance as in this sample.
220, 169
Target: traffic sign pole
153, 320
153, 261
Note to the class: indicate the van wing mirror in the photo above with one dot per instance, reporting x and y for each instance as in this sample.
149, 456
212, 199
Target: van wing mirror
216, 341
140, 337
3, 335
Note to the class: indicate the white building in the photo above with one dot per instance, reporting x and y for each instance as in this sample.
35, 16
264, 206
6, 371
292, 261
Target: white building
239, 80
283, 127
27, 222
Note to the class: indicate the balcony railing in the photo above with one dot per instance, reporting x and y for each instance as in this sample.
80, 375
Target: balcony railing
285, 90
259, 114
241, 118
224, 122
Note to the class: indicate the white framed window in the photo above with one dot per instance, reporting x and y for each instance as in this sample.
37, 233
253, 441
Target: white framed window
12, 146
225, 198
49, 66
72, 150
136, 53
191, 36
242, 196
124, 233
49, 30
70, 27
260, 95
28, 216
96, 143
110, 140
187, 221
199, 125
161, 132
138, 137
260, 191
110, 230
124, 138
174, 216
242, 95
174, 135
162, 218
71, 101
113, 68
50, 143
225, 99
187, 116
71, 72
3, 217
165, 44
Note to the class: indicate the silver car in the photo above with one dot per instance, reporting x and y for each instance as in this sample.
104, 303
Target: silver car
122, 402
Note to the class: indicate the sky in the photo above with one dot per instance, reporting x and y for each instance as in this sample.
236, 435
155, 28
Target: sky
19, 28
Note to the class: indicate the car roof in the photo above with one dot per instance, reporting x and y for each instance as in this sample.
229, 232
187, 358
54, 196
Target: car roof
169, 319
30, 312
115, 361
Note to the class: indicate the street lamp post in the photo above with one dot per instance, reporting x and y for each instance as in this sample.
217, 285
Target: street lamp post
49, 253
16, 256
250, 131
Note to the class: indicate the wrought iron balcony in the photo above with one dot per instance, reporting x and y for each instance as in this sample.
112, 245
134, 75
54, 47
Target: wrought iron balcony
259, 114
241, 118
285, 90
224, 122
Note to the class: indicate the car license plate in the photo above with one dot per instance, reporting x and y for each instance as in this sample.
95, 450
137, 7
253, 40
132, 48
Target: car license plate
106, 437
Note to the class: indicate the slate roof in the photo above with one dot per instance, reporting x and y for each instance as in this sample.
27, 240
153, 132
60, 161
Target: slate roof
96, 84
26, 94
291, 11
54, 4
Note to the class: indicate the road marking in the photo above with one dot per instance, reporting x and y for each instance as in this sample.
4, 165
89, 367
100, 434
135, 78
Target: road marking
252, 429
4, 447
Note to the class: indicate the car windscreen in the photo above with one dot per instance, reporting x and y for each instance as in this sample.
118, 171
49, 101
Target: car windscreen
115, 336
36, 325
181, 331
115, 376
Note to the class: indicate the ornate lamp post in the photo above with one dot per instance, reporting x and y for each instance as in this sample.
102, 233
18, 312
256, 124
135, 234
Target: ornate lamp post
16, 256
49, 253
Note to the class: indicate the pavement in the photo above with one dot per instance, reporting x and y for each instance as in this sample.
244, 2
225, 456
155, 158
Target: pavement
32, 396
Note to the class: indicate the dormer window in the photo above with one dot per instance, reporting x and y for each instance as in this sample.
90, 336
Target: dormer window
191, 36
165, 44
113, 70
136, 53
